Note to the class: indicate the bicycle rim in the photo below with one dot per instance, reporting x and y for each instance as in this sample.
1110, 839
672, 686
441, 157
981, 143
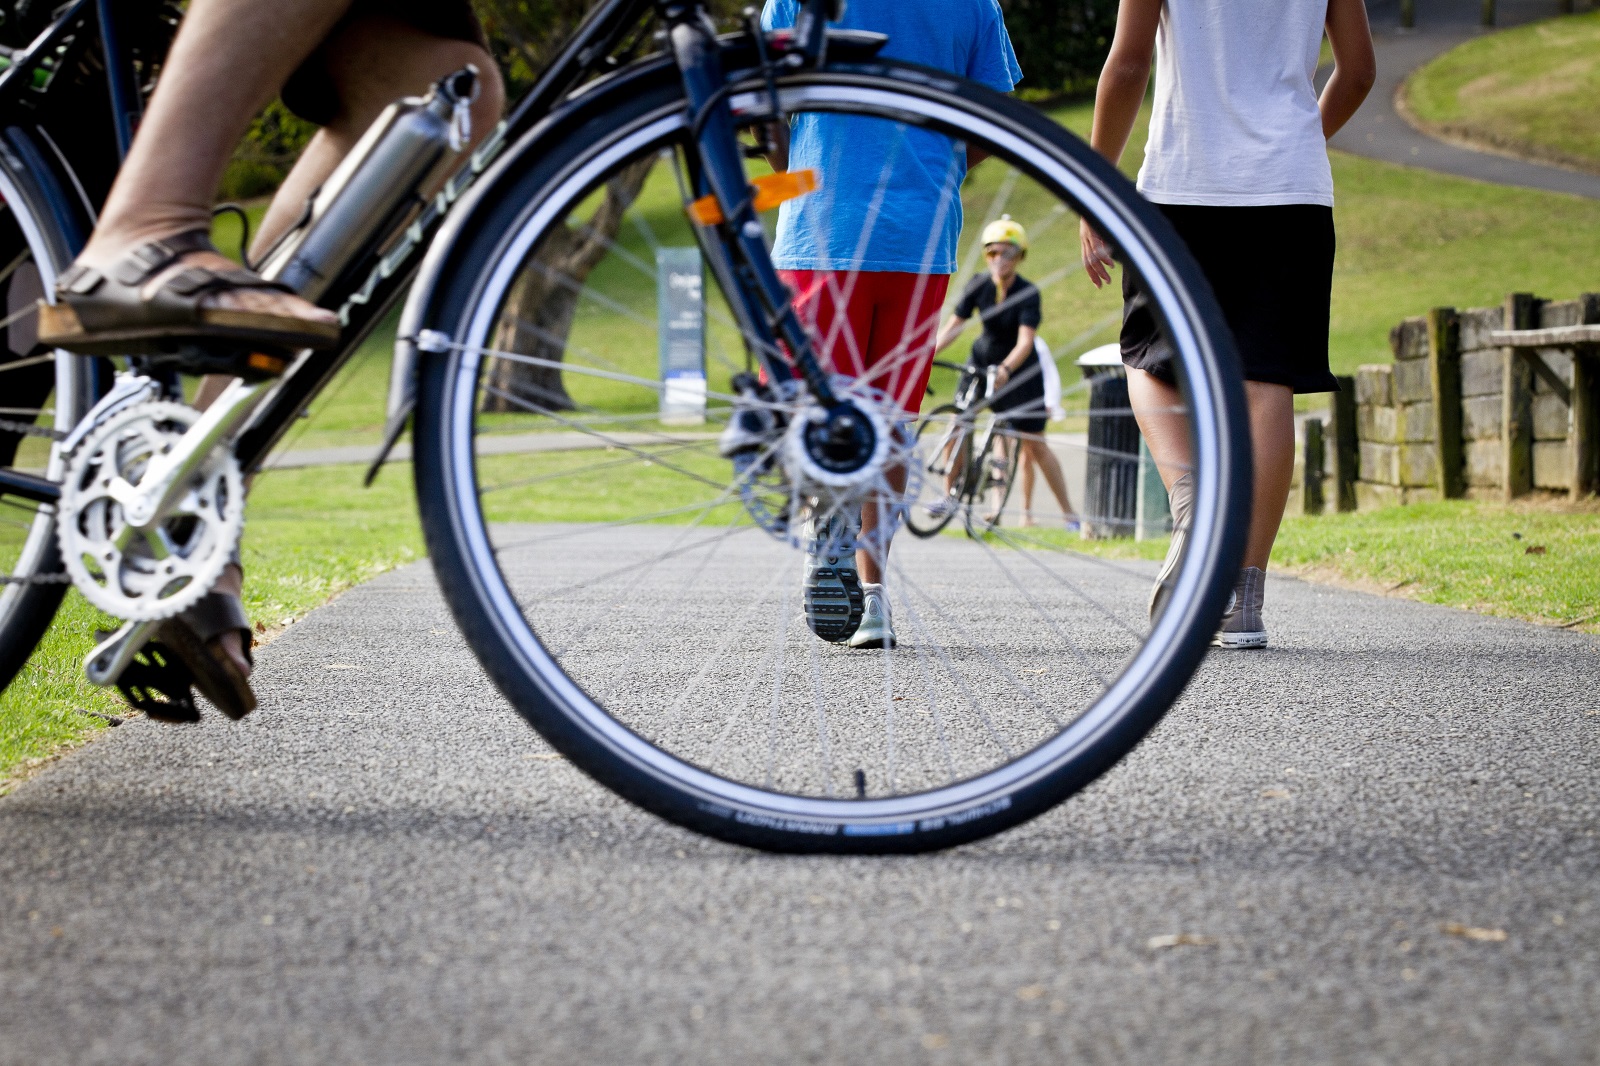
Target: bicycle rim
47, 394
639, 600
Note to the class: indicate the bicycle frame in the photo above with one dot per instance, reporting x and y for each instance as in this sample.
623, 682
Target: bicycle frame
368, 289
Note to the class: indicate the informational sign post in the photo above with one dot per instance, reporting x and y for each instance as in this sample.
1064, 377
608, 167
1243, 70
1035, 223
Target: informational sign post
681, 310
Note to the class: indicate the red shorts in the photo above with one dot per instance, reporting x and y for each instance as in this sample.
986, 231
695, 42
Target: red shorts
876, 322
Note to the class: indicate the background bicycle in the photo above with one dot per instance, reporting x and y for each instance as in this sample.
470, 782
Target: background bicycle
966, 468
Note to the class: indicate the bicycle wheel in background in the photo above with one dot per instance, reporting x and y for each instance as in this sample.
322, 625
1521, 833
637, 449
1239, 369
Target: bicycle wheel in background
944, 451
994, 476
44, 396
639, 601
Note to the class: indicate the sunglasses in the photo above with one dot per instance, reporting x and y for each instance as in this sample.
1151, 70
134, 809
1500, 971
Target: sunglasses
1004, 251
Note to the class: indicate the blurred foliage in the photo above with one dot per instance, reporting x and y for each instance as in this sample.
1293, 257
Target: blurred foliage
264, 157
525, 34
1061, 44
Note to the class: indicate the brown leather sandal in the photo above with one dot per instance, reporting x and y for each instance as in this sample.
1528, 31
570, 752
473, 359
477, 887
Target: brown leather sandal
105, 313
189, 636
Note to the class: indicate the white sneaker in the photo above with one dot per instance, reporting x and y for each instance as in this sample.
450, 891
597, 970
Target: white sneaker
877, 627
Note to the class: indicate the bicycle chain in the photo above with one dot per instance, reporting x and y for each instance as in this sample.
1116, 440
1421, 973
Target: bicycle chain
28, 429
62, 578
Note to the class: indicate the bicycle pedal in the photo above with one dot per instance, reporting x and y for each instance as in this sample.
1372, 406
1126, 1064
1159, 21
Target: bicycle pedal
157, 683
256, 364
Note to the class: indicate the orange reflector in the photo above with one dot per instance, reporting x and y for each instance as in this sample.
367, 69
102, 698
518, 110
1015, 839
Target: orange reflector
269, 364
771, 190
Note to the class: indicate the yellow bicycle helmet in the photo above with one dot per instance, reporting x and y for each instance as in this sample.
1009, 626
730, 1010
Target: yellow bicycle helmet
1004, 231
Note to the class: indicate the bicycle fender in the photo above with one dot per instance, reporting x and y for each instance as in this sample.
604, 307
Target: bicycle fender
415, 341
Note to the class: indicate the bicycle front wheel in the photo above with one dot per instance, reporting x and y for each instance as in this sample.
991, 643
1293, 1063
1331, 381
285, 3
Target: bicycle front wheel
639, 598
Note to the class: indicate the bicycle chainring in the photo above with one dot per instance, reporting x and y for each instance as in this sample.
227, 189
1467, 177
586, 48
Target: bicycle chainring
154, 574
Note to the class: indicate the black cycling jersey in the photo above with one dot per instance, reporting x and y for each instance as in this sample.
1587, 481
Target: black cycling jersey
1000, 324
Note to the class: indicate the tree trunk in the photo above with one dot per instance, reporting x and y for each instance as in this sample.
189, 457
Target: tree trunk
538, 314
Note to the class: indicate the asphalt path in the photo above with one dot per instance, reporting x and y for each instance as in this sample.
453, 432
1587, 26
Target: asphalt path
1378, 131
1373, 842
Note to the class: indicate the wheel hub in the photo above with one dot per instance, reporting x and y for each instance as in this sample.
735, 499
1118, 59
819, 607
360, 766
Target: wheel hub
840, 441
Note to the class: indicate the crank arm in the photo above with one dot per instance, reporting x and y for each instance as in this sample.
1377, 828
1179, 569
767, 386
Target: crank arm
105, 664
169, 475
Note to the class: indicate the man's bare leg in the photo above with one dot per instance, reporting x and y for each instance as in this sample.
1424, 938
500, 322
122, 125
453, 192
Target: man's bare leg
871, 558
229, 58
1028, 476
373, 62
1158, 407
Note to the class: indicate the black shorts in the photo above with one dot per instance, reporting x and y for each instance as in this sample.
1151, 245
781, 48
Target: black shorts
310, 91
1272, 271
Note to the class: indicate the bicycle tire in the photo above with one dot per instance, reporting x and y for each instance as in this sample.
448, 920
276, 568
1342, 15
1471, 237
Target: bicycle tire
31, 561
944, 418
980, 520
547, 672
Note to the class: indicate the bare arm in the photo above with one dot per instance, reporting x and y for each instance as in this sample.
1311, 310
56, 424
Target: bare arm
1116, 105
1354, 67
948, 332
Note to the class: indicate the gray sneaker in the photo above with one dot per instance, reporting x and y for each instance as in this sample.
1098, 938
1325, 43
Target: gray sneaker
877, 627
1181, 497
833, 601
1241, 623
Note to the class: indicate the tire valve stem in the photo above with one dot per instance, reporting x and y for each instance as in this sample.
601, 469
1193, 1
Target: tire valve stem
861, 784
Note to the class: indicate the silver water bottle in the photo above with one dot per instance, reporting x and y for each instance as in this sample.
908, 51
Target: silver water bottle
401, 159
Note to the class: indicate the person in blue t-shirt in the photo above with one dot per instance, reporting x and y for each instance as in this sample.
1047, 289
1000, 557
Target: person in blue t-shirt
870, 254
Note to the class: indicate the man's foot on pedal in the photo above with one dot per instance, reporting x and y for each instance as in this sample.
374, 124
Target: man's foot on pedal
832, 587
212, 638
877, 626
1242, 626
177, 291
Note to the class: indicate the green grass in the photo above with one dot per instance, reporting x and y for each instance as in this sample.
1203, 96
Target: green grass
1478, 556
1459, 553
1531, 90
1408, 240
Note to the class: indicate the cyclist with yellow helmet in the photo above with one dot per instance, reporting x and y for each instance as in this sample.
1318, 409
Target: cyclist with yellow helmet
1008, 306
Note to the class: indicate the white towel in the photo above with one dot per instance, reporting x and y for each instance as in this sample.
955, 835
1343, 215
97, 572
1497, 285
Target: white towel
1052, 380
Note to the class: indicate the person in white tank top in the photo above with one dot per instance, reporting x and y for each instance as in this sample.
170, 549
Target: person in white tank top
1237, 160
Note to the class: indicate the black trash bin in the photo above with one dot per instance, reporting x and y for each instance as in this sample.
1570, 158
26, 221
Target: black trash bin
1111, 485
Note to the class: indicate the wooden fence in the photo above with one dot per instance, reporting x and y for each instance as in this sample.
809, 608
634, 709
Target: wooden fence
1461, 413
